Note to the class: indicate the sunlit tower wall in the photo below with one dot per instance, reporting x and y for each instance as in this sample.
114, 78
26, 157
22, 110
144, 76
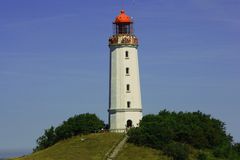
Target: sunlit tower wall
125, 107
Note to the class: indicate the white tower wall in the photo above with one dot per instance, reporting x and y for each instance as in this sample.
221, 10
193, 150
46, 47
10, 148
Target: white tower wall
120, 111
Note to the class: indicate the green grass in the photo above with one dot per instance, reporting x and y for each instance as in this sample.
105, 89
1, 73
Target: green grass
133, 152
94, 147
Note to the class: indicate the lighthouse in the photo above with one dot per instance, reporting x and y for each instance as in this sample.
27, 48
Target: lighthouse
125, 107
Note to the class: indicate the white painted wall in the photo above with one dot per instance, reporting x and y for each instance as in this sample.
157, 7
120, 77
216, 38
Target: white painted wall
119, 113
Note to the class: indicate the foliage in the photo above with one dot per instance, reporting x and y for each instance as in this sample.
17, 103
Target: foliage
170, 128
46, 140
133, 152
201, 156
226, 151
79, 124
236, 148
177, 150
222, 151
83, 147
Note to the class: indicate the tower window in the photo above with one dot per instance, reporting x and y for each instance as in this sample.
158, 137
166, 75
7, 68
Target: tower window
126, 55
128, 87
128, 104
127, 71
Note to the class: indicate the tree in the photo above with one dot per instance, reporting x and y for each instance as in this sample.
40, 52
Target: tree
170, 128
47, 139
76, 125
236, 147
201, 156
177, 150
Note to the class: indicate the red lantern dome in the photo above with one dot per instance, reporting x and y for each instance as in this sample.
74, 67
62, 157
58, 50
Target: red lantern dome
123, 18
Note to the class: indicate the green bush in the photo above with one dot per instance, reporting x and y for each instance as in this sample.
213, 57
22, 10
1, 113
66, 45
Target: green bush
227, 151
46, 140
201, 156
196, 129
222, 151
176, 150
79, 124
236, 147
137, 136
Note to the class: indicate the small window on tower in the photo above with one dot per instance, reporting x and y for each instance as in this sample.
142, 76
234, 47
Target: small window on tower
126, 55
127, 71
128, 104
128, 87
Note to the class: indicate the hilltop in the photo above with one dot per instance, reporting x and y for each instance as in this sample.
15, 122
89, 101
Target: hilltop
97, 146
163, 136
93, 147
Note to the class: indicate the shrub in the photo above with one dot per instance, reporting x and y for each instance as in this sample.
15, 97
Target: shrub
79, 124
236, 147
196, 129
201, 156
48, 139
222, 151
176, 150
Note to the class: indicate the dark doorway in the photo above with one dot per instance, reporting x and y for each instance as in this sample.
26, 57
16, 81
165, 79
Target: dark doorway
129, 123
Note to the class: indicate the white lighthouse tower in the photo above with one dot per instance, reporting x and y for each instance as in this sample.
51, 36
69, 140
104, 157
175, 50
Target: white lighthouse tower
125, 108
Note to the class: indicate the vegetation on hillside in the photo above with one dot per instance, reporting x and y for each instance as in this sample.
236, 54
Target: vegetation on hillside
77, 125
96, 147
177, 133
84, 147
170, 136
133, 152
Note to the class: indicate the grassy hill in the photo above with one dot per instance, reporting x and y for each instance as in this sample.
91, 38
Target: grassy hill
133, 152
88, 147
95, 147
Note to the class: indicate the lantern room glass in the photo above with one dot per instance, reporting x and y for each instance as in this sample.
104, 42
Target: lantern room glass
123, 28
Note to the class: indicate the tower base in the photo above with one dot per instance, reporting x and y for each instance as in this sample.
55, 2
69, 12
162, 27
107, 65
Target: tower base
122, 120
118, 130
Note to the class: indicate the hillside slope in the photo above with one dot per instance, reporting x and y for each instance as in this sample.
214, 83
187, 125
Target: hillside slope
87, 147
96, 146
133, 152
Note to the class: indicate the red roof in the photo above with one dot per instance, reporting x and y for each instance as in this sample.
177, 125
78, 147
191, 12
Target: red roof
123, 18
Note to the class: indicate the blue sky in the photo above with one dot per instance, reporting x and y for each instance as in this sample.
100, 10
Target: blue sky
54, 61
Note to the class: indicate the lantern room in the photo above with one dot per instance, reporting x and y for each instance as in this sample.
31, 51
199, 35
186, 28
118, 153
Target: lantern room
123, 24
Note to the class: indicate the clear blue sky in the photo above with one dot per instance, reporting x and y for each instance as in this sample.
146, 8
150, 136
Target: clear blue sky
54, 61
